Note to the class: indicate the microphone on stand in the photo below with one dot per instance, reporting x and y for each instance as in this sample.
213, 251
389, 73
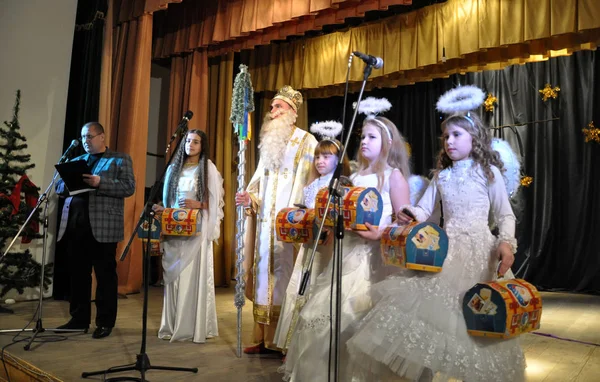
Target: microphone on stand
186, 117
181, 128
375, 62
74, 144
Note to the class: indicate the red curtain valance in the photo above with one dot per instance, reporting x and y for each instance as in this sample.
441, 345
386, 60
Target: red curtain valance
223, 26
127, 10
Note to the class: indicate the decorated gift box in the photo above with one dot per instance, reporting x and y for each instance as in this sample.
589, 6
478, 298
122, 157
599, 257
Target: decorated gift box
502, 309
360, 205
181, 222
295, 225
417, 246
154, 231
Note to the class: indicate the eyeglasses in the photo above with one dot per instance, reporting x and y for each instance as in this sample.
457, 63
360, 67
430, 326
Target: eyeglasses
89, 137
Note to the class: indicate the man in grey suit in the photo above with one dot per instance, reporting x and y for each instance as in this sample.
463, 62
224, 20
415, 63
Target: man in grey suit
92, 225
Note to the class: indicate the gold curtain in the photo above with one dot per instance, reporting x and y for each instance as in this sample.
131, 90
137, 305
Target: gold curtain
225, 144
302, 120
106, 71
191, 78
224, 26
475, 35
220, 135
188, 91
125, 95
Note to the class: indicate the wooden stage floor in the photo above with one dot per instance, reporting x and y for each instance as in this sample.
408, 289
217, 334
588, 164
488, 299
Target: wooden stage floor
571, 316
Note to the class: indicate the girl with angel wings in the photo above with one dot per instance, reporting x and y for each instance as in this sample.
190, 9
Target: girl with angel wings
417, 330
383, 163
326, 158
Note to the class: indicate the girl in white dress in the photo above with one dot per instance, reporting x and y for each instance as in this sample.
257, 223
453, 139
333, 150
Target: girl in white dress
192, 181
325, 162
383, 163
417, 330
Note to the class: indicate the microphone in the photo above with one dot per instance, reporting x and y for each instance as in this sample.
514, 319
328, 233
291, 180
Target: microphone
375, 62
74, 144
182, 127
186, 117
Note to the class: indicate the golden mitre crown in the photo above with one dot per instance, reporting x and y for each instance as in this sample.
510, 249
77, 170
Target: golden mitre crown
290, 96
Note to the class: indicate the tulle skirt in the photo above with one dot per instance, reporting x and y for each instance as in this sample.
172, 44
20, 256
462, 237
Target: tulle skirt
417, 329
292, 302
308, 353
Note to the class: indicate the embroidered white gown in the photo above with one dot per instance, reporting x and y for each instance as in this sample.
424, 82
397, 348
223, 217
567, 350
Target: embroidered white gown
292, 302
189, 308
417, 329
307, 357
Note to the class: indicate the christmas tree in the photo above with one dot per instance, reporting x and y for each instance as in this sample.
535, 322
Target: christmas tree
18, 197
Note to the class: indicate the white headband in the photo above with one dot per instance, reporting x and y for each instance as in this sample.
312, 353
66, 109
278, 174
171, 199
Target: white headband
468, 118
381, 124
332, 141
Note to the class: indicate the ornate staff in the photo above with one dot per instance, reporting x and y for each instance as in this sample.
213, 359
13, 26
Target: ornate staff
242, 103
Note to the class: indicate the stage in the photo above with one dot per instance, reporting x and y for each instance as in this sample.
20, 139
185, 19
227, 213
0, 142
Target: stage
571, 316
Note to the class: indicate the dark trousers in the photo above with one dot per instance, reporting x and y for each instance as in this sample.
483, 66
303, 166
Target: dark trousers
84, 252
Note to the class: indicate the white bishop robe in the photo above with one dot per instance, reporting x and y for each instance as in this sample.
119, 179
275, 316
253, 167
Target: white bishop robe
270, 262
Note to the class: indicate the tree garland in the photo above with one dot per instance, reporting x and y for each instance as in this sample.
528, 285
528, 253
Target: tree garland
242, 102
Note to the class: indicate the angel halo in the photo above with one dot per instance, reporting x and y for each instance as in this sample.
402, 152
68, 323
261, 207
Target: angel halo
372, 106
327, 130
460, 99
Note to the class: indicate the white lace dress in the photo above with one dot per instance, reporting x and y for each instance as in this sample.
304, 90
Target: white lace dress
417, 329
307, 357
189, 307
292, 302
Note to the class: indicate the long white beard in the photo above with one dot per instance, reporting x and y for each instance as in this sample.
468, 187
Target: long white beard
274, 136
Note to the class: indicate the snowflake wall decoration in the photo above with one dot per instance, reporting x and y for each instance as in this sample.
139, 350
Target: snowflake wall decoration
526, 180
489, 102
549, 92
592, 133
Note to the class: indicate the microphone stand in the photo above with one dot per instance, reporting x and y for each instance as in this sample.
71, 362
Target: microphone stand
335, 191
39, 326
142, 363
181, 129
346, 95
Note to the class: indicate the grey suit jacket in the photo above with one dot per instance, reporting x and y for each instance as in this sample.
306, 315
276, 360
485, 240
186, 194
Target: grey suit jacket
106, 204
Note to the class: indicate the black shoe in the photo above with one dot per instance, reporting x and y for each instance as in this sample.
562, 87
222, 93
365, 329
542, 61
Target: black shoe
262, 350
101, 332
71, 325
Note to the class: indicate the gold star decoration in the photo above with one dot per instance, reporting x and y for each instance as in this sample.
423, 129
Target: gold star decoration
526, 180
549, 92
489, 102
592, 133
408, 149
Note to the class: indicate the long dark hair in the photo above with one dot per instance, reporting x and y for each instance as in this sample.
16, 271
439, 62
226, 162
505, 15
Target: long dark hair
201, 174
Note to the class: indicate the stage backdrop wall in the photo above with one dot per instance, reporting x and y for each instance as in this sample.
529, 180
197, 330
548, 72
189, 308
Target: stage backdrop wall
157, 124
37, 38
